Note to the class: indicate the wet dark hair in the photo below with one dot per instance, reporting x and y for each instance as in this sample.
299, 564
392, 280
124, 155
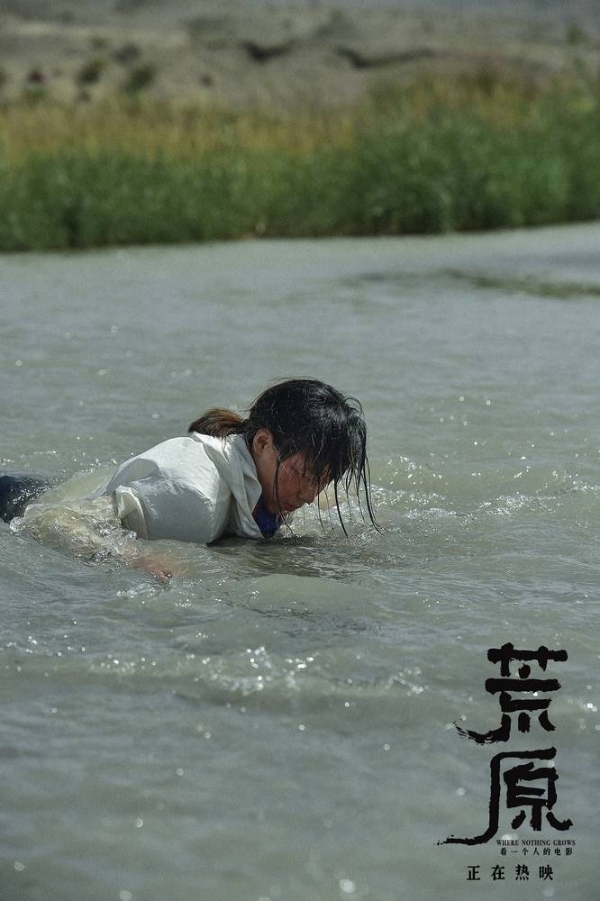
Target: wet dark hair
309, 417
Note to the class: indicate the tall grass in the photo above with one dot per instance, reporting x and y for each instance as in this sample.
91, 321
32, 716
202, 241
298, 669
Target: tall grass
430, 157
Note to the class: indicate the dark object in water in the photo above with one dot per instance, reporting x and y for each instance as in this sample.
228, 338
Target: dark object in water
17, 490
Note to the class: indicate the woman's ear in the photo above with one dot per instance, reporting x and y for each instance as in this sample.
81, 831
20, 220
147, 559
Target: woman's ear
262, 441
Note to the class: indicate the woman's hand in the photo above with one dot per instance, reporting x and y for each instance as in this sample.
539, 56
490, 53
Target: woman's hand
160, 565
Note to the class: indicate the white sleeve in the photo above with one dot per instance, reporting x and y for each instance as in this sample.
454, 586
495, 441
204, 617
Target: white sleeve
155, 507
172, 492
130, 510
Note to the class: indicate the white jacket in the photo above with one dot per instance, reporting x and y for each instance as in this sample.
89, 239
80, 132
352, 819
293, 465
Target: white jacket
196, 488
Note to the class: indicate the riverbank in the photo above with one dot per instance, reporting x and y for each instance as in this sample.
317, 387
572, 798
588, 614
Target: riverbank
277, 55
428, 157
143, 122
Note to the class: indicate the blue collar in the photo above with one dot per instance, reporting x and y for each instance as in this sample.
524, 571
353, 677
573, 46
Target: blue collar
268, 523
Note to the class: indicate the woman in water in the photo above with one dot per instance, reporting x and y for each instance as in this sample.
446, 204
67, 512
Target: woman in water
235, 476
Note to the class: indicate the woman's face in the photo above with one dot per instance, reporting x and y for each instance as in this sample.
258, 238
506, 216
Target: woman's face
286, 486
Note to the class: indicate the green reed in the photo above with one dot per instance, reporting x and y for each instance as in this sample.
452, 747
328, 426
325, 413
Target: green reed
423, 161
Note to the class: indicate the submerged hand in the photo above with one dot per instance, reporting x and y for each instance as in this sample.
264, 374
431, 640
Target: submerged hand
161, 566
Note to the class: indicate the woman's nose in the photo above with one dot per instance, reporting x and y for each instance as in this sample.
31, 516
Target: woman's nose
307, 492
